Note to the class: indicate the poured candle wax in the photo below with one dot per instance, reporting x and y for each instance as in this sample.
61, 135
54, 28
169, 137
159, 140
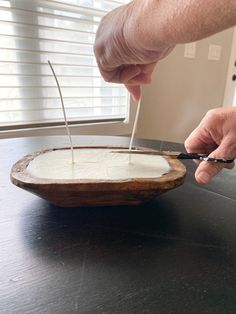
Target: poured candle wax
97, 164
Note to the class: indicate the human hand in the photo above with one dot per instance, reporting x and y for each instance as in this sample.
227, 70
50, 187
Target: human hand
216, 136
119, 50
132, 38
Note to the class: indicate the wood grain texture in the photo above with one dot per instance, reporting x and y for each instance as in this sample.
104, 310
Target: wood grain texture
74, 193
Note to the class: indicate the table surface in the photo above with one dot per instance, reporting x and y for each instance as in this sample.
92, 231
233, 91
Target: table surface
174, 255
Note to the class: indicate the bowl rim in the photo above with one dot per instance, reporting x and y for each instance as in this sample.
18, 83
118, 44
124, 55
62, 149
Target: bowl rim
21, 177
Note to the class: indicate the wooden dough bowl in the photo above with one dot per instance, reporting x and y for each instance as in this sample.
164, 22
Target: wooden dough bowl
77, 193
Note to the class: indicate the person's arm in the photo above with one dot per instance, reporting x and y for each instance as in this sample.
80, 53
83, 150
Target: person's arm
156, 24
216, 136
132, 38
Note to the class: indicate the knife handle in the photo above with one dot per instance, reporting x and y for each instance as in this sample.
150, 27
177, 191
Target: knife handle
204, 158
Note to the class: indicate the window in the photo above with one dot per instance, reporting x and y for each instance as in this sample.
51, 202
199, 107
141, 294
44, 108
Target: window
62, 31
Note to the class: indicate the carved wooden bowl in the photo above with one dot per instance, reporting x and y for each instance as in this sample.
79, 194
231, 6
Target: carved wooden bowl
77, 193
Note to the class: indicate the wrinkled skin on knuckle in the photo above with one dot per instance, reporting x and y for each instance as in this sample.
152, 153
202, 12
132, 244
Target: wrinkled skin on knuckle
213, 124
219, 116
230, 147
230, 124
213, 115
223, 124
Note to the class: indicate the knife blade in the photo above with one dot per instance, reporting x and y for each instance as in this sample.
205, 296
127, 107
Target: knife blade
176, 155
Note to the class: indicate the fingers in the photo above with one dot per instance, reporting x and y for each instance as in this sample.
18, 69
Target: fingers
230, 166
123, 74
199, 141
132, 76
207, 170
129, 73
135, 91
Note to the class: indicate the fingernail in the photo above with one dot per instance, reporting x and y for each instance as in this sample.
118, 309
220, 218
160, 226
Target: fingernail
203, 177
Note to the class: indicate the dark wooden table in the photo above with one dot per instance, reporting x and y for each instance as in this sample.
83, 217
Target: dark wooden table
174, 255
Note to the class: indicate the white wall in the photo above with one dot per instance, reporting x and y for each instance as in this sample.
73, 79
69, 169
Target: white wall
183, 90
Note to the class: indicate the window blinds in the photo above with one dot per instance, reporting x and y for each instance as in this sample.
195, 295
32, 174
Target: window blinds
62, 31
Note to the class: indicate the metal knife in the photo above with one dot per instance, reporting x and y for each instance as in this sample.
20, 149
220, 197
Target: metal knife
176, 155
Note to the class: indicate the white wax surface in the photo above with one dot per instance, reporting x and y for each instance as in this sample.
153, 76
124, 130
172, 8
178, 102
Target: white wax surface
97, 164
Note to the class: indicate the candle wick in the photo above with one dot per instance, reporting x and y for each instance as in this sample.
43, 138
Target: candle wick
64, 113
135, 125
